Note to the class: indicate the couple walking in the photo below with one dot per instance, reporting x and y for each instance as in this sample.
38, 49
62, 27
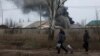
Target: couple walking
61, 40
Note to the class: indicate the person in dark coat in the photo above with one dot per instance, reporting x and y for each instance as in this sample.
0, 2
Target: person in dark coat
86, 40
61, 39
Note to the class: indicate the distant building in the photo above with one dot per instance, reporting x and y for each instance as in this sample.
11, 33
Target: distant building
45, 24
3, 26
93, 23
77, 25
38, 24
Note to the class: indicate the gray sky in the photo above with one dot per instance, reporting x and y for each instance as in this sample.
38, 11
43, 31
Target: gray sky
12, 12
79, 10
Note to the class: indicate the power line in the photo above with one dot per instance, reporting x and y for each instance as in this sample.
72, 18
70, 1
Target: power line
83, 6
10, 9
66, 6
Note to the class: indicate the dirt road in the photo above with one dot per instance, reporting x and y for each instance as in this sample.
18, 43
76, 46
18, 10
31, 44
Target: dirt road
7, 52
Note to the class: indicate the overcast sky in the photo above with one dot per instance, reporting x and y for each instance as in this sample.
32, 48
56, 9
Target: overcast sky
10, 11
79, 10
83, 10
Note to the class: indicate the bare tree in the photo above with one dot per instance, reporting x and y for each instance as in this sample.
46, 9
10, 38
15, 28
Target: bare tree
11, 24
54, 11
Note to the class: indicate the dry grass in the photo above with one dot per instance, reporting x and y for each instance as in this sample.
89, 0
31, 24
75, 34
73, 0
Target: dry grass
35, 40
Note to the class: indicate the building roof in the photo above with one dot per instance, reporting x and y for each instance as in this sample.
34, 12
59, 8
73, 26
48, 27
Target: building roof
94, 23
76, 26
37, 24
44, 24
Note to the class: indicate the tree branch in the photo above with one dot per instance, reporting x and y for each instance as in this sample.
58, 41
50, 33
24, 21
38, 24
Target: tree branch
63, 2
60, 4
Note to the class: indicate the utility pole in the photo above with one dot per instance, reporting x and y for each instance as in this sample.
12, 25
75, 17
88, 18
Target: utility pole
40, 19
96, 13
97, 18
1, 11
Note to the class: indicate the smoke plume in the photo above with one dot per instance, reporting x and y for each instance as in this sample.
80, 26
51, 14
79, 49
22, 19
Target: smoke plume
27, 6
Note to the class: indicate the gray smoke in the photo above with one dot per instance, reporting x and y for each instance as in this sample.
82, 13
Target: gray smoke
34, 5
